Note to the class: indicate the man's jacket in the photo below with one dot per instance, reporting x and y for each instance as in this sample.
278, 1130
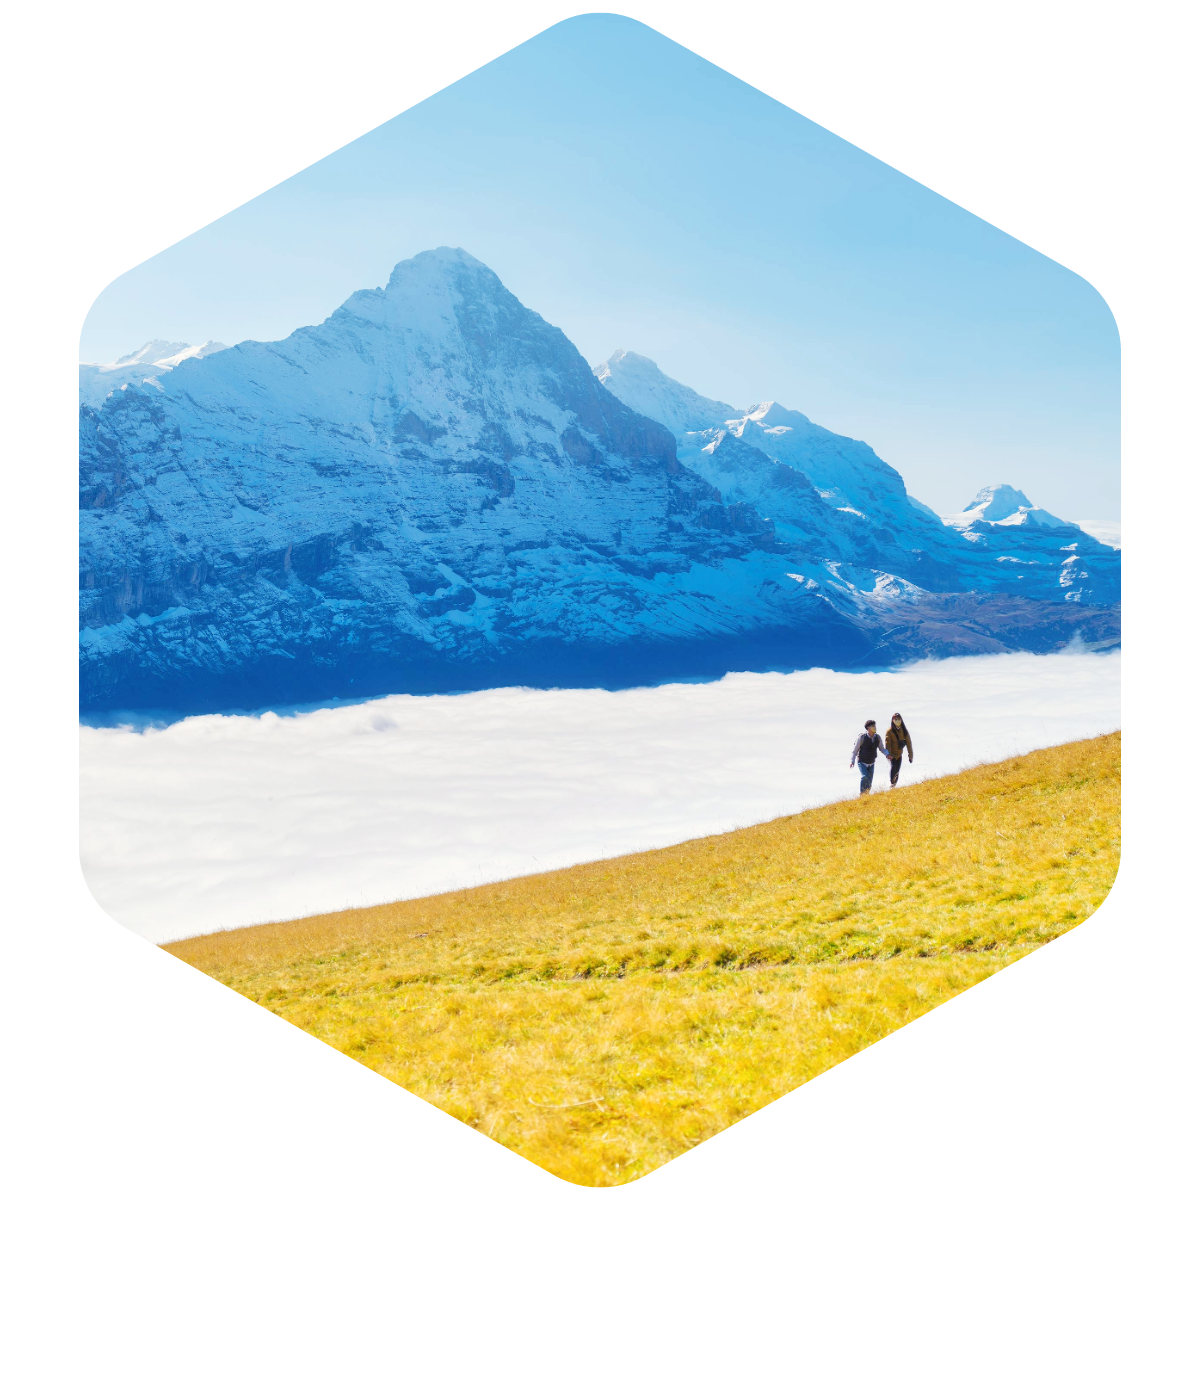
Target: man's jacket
866, 746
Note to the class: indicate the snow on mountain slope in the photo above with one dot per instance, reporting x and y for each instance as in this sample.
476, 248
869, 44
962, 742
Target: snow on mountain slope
788, 468
640, 383
807, 522
863, 496
155, 358
190, 352
846, 472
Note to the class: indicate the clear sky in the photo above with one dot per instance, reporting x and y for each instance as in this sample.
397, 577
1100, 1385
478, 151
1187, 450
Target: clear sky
641, 198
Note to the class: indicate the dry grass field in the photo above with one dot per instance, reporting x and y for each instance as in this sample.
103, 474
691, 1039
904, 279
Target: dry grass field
604, 1018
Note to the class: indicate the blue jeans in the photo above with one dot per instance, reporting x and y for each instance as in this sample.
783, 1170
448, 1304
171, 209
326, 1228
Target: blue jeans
866, 771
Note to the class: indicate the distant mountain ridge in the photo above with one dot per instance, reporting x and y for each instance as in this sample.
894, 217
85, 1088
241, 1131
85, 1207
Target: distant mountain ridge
431, 490
1000, 544
155, 358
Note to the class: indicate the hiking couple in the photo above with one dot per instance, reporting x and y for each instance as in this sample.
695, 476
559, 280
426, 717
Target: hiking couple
869, 744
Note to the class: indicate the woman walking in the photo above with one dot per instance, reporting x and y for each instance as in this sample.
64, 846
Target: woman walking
896, 740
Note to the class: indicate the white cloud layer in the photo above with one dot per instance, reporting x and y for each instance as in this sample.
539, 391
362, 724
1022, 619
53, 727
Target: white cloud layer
224, 820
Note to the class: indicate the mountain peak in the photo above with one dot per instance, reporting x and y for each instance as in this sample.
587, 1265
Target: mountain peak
630, 361
1004, 505
996, 503
772, 414
434, 260
638, 382
426, 293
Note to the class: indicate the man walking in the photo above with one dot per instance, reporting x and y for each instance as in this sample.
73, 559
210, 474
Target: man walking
866, 747
896, 740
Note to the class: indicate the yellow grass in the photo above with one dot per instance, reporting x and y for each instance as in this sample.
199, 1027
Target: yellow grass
602, 1019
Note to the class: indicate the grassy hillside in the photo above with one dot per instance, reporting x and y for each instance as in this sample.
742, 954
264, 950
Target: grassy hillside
602, 1019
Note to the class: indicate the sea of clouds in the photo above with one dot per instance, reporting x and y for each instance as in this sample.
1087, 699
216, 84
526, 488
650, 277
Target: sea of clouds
222, 820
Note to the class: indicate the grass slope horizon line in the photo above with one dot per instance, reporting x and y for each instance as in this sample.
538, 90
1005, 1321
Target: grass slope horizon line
878, 790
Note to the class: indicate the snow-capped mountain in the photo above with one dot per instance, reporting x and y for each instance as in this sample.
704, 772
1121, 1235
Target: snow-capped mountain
843, 471
640, 383
431, 490
1000, 544
1003, 521
1007, 508
154, 359
847, 473
1002, 505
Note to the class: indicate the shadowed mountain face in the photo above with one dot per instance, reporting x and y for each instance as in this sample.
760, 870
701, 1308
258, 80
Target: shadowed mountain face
431, 490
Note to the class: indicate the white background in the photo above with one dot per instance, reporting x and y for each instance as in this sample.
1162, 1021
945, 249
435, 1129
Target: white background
203, 1201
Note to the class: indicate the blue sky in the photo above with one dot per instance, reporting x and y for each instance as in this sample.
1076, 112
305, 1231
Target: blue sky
641, 198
